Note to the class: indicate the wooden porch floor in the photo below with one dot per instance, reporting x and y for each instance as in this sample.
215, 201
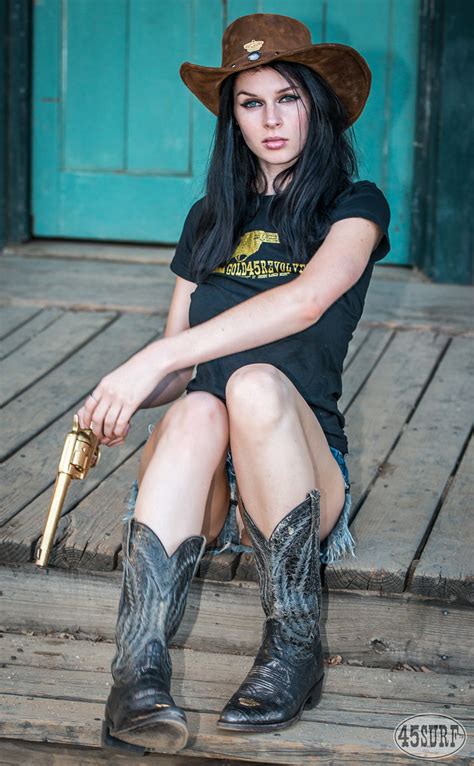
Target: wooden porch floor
70, 312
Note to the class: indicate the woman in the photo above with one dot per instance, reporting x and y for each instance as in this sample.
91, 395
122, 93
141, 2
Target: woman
272, 270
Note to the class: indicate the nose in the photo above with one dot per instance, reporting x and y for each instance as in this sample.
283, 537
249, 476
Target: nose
272, 117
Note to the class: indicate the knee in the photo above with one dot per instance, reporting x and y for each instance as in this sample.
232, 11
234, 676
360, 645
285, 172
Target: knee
257, 394
197, 413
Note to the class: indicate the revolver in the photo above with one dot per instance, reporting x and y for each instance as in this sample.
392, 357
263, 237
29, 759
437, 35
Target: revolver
81, 452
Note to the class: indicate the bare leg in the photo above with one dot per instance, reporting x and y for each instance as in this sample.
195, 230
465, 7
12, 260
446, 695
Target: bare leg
178, 481
279, 450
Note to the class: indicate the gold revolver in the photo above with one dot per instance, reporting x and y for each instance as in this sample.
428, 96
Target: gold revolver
80, 453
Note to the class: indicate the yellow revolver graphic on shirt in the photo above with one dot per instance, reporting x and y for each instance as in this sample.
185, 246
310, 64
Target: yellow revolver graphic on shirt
80, 453
251, 243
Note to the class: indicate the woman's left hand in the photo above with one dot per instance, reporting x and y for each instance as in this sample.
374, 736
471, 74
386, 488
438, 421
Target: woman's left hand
108, 409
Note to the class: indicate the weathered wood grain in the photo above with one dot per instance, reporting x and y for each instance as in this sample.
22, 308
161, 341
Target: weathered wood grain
13, 317
48, 349
390, 527
446, 565
361, 366
54, 689
444, 308
57, 704
86, 284
95, 251
31, 471
72, 381
389, 396
27, 330
379, 629
24, 655
93, 534
22, 529
19, 752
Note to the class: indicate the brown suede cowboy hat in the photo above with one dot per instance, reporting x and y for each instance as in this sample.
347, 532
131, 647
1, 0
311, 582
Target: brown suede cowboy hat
260, 38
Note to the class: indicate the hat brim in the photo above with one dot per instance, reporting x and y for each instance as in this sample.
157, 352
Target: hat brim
346, 71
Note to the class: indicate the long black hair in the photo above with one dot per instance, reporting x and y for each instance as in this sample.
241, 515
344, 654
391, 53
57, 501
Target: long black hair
304, 192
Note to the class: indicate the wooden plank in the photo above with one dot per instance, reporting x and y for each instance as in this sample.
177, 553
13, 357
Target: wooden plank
24, 655
31, 472
432, 307
399, 509
445, 566
48, 349
358, 369
19, 752
93, 535
57, 705
379, 413
71, 381
384, 629
222, 566
90, 285
20, 531
52, 671
14, 317
28, 330
95, 251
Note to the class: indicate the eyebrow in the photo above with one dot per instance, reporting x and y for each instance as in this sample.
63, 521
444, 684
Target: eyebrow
245, 93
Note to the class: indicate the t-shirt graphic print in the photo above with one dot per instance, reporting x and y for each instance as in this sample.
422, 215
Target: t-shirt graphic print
249, 262
312, 359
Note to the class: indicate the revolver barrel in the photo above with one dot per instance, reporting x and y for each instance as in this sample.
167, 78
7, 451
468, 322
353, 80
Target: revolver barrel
80, 453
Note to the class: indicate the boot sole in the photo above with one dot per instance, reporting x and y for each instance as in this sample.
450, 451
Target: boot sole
310, 702
152, 734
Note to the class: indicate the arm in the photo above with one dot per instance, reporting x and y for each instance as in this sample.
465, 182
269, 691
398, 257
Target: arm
281, 311
173, 385
276, 313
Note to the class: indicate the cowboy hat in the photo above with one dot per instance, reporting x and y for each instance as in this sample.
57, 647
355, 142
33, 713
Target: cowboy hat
260, 38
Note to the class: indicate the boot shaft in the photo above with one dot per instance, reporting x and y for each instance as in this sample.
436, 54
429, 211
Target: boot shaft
288, 566
153, 598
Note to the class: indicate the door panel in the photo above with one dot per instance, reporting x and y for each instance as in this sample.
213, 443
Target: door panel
120, 145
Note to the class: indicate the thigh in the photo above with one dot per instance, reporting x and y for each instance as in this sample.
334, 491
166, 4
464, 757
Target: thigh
328, 478
217, 505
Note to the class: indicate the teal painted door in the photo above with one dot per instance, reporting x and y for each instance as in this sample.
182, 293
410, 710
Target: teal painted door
120, 145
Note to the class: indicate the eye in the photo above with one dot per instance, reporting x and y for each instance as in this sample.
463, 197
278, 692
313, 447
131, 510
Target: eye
247, 104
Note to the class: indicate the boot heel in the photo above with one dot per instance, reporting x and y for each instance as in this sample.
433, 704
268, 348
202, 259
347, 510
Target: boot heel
112, 743
315, 695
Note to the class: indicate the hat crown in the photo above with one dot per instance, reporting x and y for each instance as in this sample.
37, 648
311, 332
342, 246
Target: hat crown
276, 33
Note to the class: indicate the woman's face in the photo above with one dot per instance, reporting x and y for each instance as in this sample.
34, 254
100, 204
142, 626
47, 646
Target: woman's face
273, 117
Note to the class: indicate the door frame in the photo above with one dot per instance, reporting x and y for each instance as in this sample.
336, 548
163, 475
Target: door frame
434, 43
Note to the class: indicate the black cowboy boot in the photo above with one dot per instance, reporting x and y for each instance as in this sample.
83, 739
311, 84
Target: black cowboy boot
140, 712
288, 671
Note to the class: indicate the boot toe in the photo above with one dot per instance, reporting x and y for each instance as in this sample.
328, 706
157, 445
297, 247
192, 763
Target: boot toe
249, 713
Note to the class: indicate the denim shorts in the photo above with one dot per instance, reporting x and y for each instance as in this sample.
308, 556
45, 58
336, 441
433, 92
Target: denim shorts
335, 547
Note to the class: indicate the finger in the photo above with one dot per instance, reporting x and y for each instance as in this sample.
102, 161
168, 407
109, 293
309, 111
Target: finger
80, 418
97, 420
115, 442
111, 418
89, 409
122, 425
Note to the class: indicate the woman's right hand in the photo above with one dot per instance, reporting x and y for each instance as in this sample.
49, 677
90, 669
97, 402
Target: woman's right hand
107, 442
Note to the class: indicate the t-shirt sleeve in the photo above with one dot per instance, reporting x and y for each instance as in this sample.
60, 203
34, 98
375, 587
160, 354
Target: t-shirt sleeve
365, 200
180, 263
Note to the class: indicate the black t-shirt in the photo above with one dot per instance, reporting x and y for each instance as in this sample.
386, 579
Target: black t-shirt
312, 359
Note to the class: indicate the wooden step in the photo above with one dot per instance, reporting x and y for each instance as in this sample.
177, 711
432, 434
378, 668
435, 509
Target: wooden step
376, 628
54, 689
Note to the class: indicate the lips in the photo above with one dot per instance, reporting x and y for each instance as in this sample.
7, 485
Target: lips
275, 142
